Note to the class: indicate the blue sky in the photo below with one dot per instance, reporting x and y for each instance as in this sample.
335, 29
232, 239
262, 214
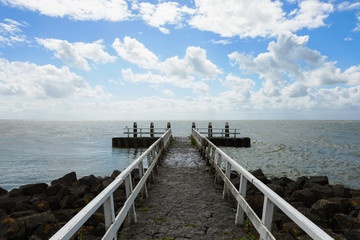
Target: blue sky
179, 60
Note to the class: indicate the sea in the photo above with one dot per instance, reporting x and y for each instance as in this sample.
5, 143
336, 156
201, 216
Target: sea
34, 151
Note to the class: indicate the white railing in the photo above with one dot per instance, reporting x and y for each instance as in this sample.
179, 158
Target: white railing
144, 131
105, 198
217, 157
224, 132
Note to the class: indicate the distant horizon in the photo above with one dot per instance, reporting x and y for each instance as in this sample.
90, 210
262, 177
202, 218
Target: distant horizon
200, 59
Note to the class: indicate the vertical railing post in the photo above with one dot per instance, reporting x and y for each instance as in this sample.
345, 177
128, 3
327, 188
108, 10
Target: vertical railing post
135, 129
109, 212
219, 162
228, 174
151, 129
268, 211
149, 161
227, 129
129, 190
210, 130
193, 126
168, 125
239, 218
144, 193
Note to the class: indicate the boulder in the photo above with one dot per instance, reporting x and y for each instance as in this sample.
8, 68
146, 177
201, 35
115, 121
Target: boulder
68, 201
8, 203
300, 182
293, 229
12, 228
322, 180
86, 180
32, 189
325, 208
34, 221
52, 190
355, 202
64, 215
344, 204
115, 174
305, 196
3, 191
66, 180
321, 192
46, 231
341, 191
342, 222
22, 213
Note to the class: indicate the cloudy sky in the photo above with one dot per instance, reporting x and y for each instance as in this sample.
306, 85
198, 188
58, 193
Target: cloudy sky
186, 60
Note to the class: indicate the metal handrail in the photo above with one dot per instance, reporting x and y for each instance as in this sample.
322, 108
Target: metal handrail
271, 199
142, 131
225, 132
105, 198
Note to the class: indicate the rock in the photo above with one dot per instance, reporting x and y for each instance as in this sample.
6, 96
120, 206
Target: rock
52, 190
81, 190
343, 221
325, 208
115, 174
66, 180
15, 193
305, 196
38, 197
3, 191
67, 201
292, 187
300, 182
293, 229
42, 206
260, 175
54, 203
277, 188
34, 221
282, 236
106, 181
352, 233
321, 192
22, 213
32, 189
12, 228
344, 204
8, 203
87, 180
45, 231
322, 180
256, 203
355, 202
64, 215
341, 191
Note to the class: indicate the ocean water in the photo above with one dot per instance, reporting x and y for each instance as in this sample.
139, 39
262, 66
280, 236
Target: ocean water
40, 151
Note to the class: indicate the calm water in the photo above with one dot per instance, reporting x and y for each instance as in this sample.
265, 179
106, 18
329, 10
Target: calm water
40, 151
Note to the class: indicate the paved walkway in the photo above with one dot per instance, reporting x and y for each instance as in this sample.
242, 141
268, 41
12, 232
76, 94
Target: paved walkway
184, 202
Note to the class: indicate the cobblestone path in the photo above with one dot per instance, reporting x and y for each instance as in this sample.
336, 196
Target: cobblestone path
184, 202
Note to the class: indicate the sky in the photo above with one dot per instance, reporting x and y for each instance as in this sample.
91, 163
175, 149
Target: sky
180, 60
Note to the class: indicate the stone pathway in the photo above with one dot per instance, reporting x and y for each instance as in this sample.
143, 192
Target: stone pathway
184, 202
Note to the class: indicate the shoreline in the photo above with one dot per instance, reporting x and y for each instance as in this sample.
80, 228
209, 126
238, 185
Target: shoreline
37, 211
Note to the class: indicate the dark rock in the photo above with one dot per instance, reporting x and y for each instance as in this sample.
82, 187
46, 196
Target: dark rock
344, 204
45, 231
293, 229
63, 192
292, 187
34, 221
64, 215
87, 180
115, 174
95, 219
42, 206
342, 221
3, 191
22, 213
355, 202
321, 192
300, 182
260, 175
325, 208
11, 228
52, 190
305, 196
282, 236
21, 206
313, 217
66, 180
81, 190
341, 191
54, 203
15, 193
38, 197
106, 181
355, 193
352, 233
256, 203
322, 180
303, 237
67, 201
31, 189
277, 188
8, 203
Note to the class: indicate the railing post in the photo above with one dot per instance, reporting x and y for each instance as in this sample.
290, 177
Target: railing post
135, 129
168, 125
212, 157
239, 218
109, 212
228, 174
151, 129
144, 193
193, 125
149, 161
129, 190
210, 130
267, 215
227, 129
219, 162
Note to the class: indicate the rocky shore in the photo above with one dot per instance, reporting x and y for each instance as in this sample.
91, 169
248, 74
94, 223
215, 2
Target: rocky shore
336, 209
37, 211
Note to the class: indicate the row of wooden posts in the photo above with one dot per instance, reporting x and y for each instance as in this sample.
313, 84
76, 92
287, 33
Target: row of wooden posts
152, 129
210, 129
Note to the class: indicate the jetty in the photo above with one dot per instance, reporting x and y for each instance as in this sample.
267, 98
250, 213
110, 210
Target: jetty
178, 195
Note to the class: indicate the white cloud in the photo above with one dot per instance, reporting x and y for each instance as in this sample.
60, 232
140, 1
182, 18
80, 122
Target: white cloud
257, 18
346, 5
31, 80
222, 41
162, 13
135, 52
110, 10
168, 92
75, 54
194, 62
348, 39
10, 32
